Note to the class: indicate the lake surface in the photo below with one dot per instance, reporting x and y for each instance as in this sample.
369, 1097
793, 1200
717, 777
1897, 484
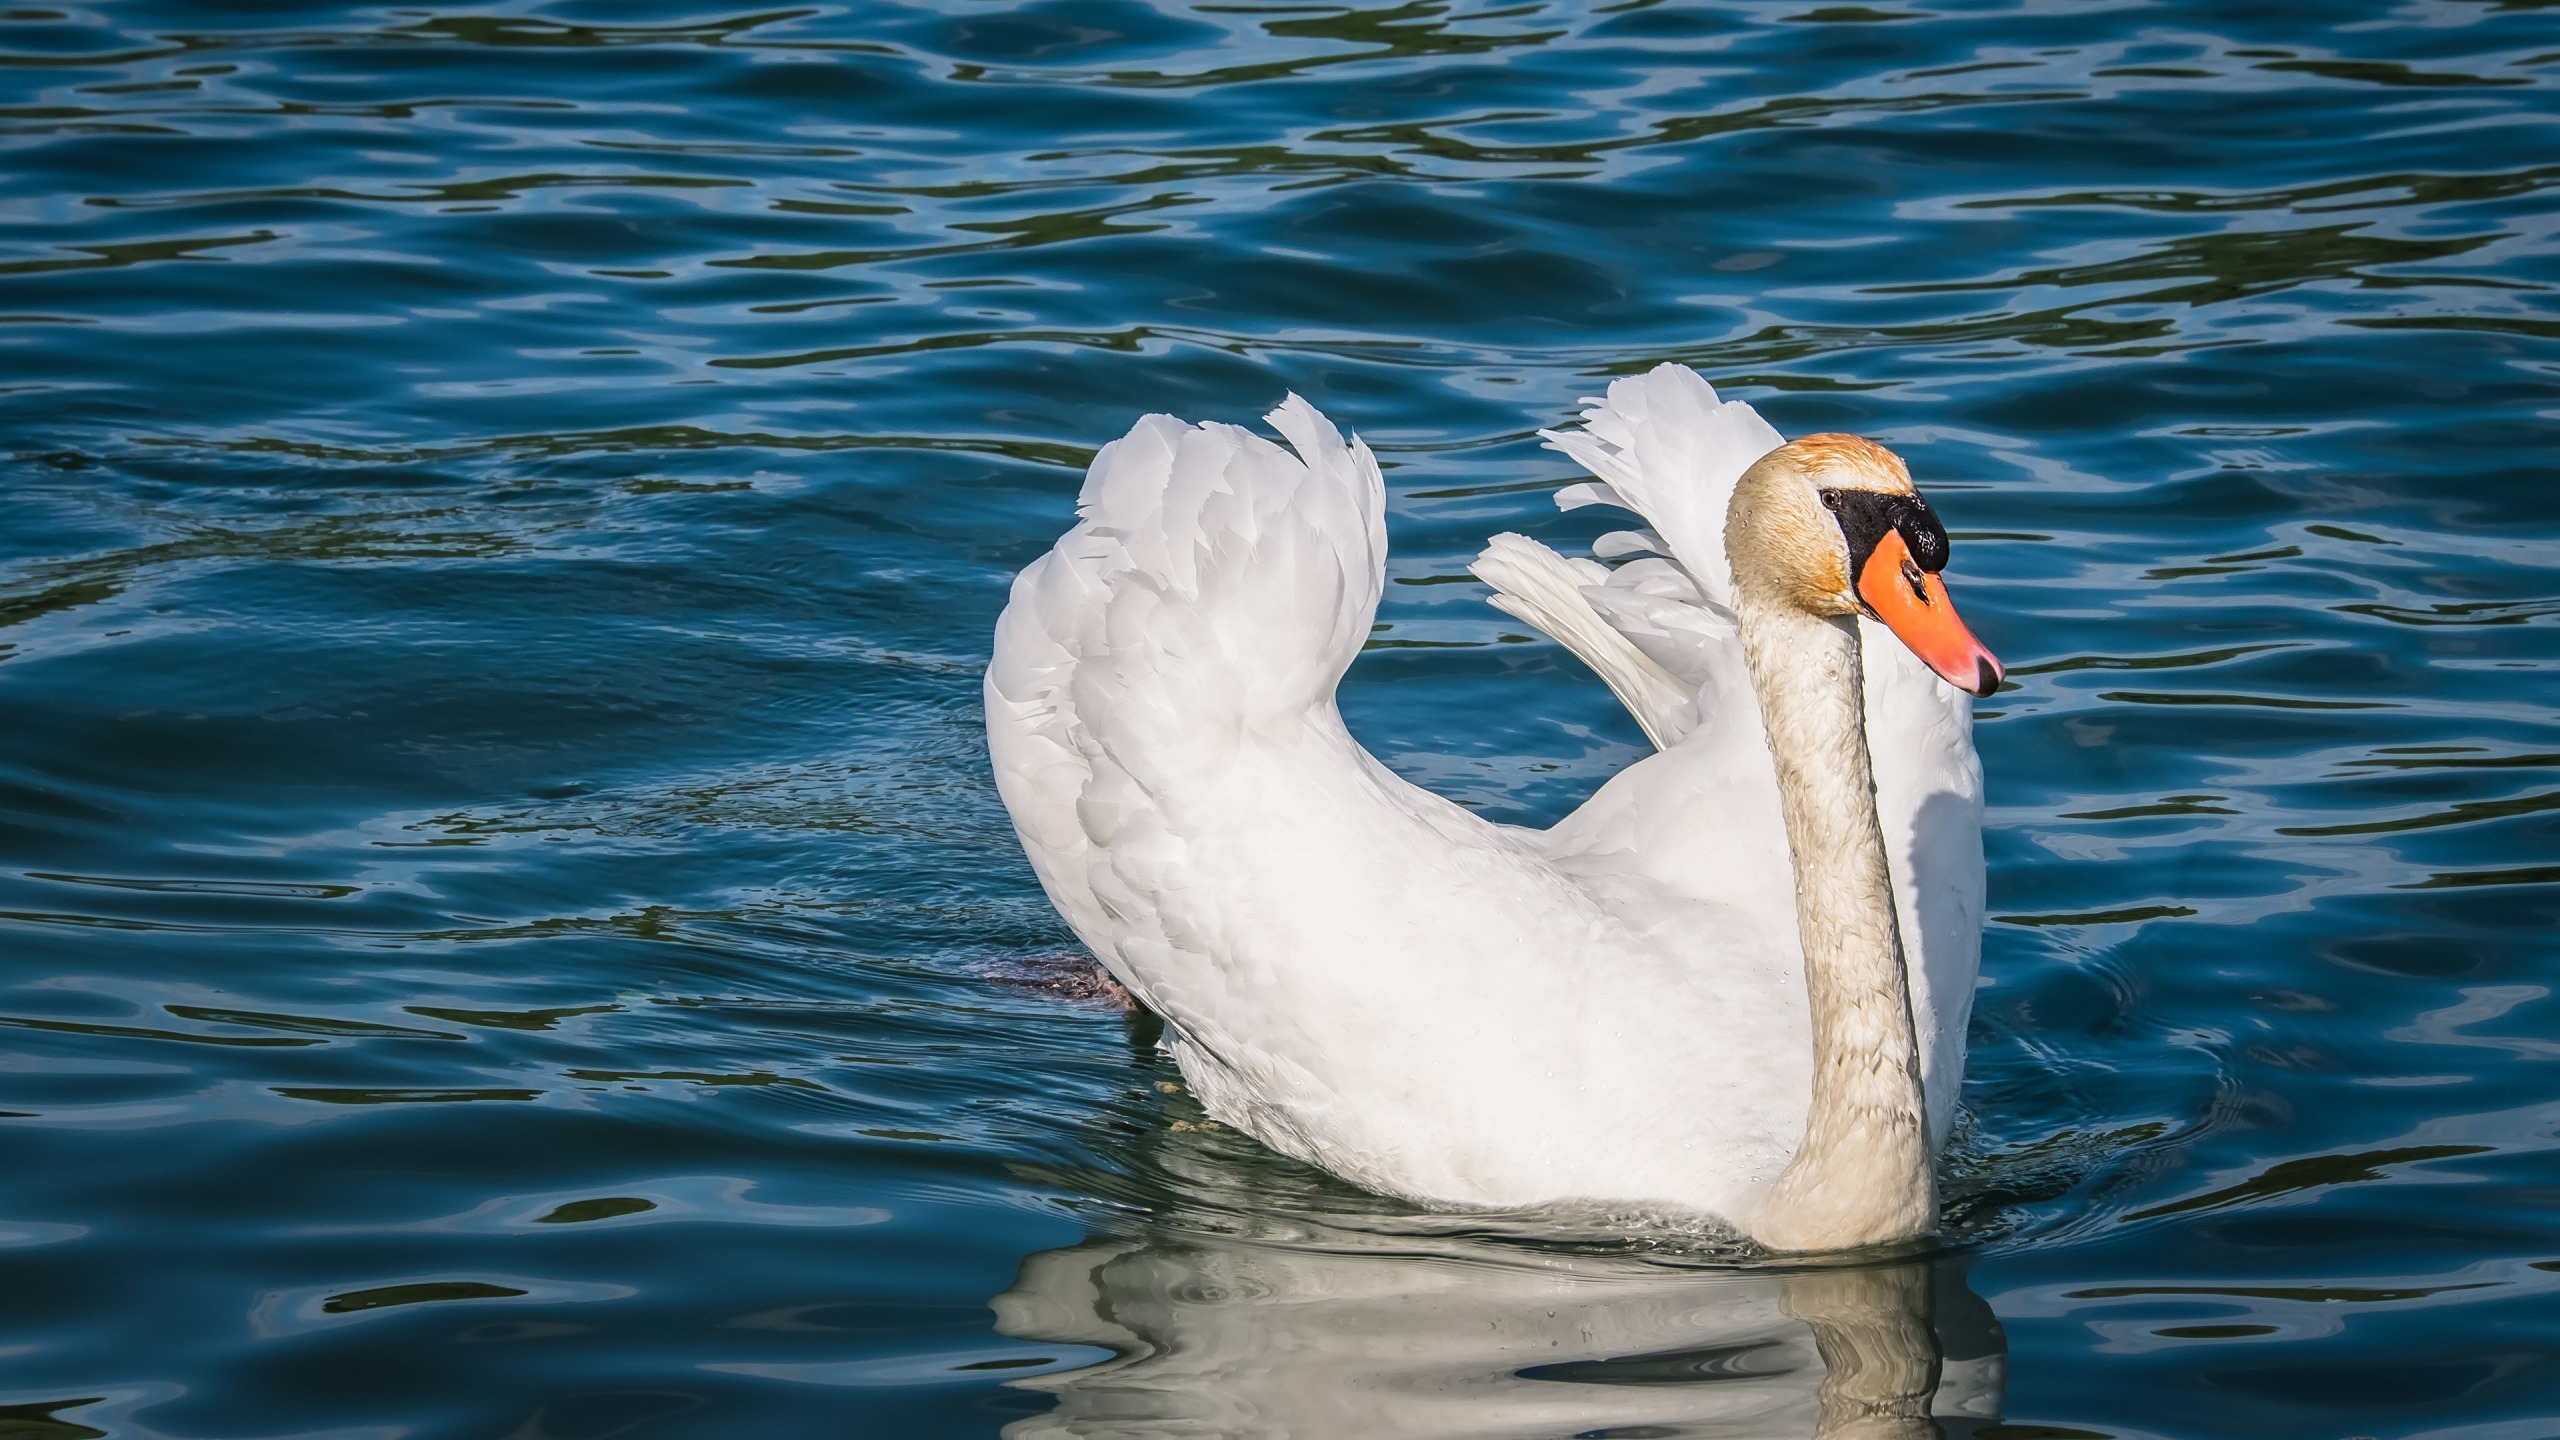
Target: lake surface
506, 929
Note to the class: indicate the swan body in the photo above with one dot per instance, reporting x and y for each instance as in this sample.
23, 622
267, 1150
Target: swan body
1366, 976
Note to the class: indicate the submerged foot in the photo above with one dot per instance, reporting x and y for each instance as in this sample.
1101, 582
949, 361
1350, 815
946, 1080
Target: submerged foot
1064, 975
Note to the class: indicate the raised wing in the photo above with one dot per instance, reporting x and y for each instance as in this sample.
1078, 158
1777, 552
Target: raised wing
1659, 630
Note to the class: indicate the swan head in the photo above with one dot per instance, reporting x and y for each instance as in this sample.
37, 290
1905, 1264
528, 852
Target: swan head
1832, 525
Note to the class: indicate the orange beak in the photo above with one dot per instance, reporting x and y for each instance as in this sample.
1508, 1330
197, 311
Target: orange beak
1914, 605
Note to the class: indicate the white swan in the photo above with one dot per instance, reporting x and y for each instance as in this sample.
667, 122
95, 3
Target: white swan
1691, 995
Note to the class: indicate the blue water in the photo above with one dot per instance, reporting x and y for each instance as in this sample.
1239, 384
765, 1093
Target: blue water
505, 926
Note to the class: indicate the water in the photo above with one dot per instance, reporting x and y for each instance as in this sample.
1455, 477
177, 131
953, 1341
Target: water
507, 930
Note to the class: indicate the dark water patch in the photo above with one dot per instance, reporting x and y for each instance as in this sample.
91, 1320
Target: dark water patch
2129, 915
2296, 1175
38, 1420
2469, 812
422, 1095
609, 1207
1692, 1367
511, 1020
2467, 879
137, 1032
2172, 805
424, 1293
2307, 1295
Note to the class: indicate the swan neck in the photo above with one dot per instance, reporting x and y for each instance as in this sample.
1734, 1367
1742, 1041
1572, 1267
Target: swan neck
1863, 1174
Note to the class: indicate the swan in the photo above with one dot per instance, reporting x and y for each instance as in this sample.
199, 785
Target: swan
1733, 984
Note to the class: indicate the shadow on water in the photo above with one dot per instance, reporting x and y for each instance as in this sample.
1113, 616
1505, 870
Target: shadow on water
1296, 1330
1238, 1293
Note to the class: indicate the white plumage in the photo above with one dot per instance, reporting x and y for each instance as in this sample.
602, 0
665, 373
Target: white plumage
1375, 980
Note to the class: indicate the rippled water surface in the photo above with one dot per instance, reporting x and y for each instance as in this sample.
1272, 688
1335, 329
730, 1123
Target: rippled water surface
506, 929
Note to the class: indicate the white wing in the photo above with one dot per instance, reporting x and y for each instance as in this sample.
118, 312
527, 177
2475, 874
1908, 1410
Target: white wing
1667, 447
1547, 591
1213, 584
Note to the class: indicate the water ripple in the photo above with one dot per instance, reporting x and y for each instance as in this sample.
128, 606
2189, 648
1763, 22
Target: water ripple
507, 505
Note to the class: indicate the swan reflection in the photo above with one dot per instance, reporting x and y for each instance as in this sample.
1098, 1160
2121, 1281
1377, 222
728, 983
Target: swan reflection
1311, 1331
